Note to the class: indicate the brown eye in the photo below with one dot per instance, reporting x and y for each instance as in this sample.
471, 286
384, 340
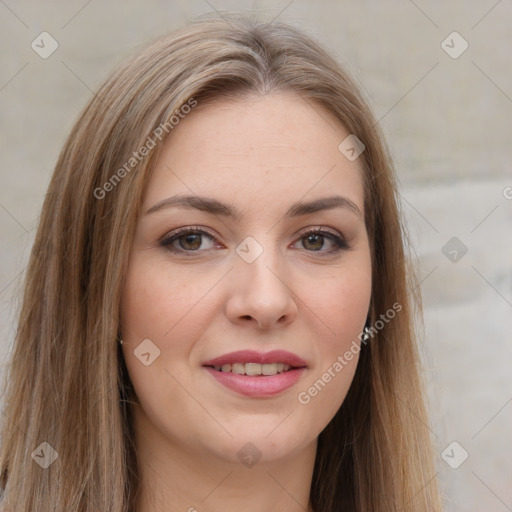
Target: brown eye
188, 240
313, 242
323, 242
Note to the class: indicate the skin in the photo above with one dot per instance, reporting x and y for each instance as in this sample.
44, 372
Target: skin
261, 155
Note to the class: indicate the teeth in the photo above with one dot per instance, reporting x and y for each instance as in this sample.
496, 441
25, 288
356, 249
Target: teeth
237, 368
269, 369
253, 369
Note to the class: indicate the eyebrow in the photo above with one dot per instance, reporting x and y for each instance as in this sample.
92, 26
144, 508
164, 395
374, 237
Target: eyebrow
215, 207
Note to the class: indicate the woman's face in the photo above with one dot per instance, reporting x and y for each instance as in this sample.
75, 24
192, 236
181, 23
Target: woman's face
251, 256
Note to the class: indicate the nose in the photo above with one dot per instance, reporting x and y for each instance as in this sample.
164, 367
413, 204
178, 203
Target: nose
260, 294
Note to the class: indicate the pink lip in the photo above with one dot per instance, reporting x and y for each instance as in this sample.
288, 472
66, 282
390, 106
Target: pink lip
251, 356
258, 386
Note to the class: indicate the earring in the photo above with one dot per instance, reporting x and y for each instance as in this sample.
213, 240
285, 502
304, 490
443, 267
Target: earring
367, 333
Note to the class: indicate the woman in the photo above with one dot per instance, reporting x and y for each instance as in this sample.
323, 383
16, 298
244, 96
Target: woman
217, 312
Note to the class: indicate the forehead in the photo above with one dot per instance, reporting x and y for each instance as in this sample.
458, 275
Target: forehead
266, 150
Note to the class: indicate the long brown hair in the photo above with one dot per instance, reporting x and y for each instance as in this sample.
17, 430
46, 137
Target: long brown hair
67, 383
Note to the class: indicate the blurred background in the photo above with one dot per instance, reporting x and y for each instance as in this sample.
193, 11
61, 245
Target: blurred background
438, 75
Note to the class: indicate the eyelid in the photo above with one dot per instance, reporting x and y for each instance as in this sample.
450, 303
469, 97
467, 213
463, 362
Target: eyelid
166, 240
187, 229
319, 229
335, 236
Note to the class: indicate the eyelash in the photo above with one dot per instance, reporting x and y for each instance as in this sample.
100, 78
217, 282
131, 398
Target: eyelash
339, 243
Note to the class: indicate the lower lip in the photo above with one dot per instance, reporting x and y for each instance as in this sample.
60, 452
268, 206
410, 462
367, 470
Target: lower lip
258, 386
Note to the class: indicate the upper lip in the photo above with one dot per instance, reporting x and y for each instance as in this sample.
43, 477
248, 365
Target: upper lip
253, 356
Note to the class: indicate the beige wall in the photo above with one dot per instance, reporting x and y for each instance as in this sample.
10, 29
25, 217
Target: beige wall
448, 121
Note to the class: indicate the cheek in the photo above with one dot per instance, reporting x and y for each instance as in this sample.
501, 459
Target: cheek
157, 302
338, 306
339, 302
170, 309
343, 305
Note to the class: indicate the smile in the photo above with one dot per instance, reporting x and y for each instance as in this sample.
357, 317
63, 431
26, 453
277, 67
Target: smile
254, 368
260, 375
